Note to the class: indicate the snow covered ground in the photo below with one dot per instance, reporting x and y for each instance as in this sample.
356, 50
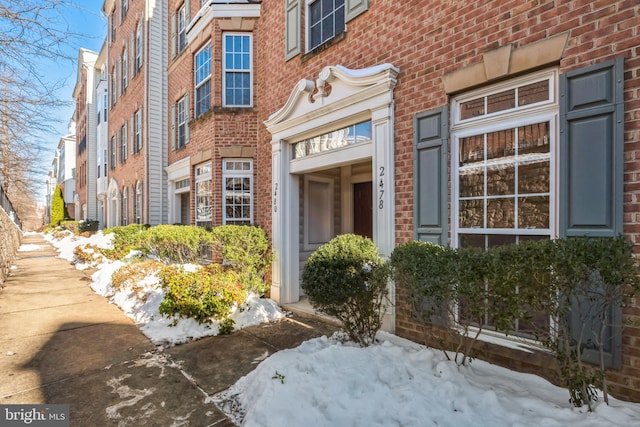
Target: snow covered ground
330, 382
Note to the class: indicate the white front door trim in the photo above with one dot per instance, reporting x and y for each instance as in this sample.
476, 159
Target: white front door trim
339, 97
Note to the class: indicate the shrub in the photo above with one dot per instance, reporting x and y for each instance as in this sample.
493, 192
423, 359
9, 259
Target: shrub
177, 243
207, 294
246, 249
576, 282
88, 225
87, 254
126, 238
71, 225
58, 207
131, 275
590, 276
423, 271
346, 278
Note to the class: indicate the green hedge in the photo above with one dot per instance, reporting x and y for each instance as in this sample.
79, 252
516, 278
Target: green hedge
246, 249
511, 284
177, 243
205, 295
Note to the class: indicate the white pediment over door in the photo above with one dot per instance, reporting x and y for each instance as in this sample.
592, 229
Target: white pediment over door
338, 91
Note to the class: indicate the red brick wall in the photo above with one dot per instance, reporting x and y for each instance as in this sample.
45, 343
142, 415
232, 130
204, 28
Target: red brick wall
216, 129
127, 174
426, 40
81, 157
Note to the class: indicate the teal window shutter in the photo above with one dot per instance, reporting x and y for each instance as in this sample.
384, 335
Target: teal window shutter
292, 29
354, 8
591, 151
591, 187
431, 176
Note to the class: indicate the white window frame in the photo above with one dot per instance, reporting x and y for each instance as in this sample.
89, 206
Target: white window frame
125, 67
308, 25
124, 140
228, 173
137, 130
138, 47
516, 117
202, 76
229, 67
182, 118
114, 151
139, 202
203, 173
181, 28
114, 86
125, 9
125, 206
512, 118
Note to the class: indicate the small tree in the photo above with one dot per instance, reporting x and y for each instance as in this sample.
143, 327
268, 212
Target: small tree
58, 207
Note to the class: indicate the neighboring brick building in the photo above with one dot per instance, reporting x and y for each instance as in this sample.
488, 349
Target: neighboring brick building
213, 126
472, 123
136, 61
83, 93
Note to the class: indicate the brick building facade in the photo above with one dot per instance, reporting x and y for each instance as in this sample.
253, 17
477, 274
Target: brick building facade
212, 124
474, 123
136, 68
540, 96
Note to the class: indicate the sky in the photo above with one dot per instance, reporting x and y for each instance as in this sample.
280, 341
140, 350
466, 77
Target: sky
83, 18
329, 381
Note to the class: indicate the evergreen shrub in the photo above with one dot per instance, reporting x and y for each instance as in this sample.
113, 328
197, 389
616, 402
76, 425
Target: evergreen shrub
205, 295
245, 249
177, 243
346, 278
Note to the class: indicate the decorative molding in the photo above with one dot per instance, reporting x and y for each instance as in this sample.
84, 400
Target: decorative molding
347, 86
507, 61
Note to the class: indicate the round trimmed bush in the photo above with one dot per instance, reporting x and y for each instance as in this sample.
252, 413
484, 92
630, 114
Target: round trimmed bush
347, 278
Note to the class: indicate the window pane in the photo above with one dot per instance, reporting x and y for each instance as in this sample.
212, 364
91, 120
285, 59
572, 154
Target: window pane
363, 131
471, 213
533, 212
533, 138
315, 35
501, 180
315, 12
472, 108
533, 177
500, 213
494, 240
534, 92
501, 144
501, 101
472, 240
471, 149
327, 28
472, 183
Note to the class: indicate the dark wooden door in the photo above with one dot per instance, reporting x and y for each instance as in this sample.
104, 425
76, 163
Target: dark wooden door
363, 209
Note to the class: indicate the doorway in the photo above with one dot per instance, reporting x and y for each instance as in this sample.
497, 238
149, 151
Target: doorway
363, 209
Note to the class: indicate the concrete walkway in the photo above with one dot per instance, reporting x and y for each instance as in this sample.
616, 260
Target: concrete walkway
60, 343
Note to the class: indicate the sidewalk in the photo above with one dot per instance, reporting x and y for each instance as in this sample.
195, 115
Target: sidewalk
60, 343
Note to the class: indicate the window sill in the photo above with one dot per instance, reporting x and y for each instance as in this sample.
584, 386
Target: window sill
513, 342
324, 46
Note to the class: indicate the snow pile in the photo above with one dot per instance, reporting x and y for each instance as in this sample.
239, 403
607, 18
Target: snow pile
141, 303
324, 382
329, 382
